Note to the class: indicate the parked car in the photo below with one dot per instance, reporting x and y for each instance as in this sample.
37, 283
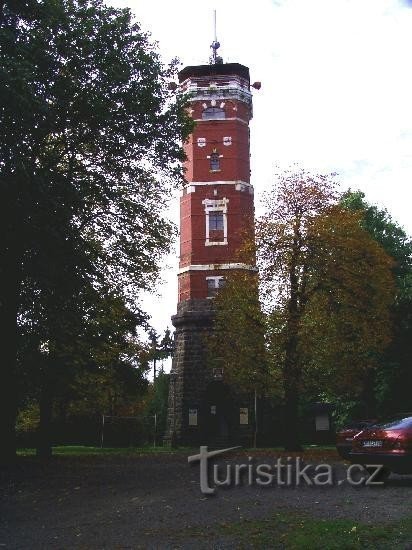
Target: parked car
388, 443
345, 435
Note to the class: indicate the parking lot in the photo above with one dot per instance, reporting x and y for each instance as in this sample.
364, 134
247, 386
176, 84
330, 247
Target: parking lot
154, 501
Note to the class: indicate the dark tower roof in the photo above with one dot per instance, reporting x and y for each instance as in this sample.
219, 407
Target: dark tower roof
215, 69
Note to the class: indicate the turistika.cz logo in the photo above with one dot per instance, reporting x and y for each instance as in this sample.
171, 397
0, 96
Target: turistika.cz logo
283, 472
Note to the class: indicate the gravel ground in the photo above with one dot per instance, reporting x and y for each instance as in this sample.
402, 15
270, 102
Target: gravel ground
154, 501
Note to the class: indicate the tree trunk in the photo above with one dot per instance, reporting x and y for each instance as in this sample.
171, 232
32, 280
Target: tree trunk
291, 384
291, 436
44, 442
8, 367
291, 371
291, 377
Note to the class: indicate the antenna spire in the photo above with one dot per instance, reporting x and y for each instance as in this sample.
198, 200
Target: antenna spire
214, 58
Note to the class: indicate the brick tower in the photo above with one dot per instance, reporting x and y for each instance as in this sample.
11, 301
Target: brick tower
216, 207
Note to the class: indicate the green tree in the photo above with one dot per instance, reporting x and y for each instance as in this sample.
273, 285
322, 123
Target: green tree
237, 342
88, 150
156, 403
159, 349
91, 355
386, 390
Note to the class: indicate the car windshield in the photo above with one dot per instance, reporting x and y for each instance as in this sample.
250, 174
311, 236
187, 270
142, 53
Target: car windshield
395, 423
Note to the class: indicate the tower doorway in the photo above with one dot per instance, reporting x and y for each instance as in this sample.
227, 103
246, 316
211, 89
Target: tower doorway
218, 414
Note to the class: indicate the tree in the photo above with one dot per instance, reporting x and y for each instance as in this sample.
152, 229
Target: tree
325, 291
160, 350
156, 403
89, 354
386, 390
237, 342
88, 150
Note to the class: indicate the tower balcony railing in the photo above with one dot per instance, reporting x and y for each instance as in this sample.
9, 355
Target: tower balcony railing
216, 80
219, 92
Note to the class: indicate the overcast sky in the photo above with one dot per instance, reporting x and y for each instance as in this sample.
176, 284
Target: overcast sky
336, 90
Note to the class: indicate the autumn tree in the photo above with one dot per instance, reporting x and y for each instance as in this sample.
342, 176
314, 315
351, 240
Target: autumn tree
88, 150
325, 291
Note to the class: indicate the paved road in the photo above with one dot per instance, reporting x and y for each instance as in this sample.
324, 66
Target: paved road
155, 502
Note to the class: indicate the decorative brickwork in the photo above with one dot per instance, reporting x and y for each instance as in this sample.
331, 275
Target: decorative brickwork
216, 212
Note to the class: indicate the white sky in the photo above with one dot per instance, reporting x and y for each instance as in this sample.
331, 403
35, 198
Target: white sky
336, 91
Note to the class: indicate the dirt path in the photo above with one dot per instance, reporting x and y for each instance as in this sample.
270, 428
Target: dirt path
154, 501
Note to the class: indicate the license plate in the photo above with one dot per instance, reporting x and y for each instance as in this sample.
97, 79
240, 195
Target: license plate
372, 443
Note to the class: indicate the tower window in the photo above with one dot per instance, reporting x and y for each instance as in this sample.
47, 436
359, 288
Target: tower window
216, 221
213, 285
214, 161
213, 113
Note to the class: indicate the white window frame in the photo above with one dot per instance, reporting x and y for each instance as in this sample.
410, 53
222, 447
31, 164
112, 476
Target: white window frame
209, 157
216, 279
218, 205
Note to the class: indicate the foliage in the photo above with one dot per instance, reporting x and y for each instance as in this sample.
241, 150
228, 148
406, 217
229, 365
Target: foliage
156, 402
380, 225
347, 323
237, 343
88, 151
388, 389
159, 349
325, 288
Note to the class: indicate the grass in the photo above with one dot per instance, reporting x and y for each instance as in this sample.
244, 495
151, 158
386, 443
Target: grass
83, 450
77, 450
293, 532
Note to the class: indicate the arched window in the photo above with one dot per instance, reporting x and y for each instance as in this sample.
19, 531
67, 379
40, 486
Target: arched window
213, 113
214, 161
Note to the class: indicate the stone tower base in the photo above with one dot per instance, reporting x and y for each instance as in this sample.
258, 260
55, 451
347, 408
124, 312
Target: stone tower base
202, 409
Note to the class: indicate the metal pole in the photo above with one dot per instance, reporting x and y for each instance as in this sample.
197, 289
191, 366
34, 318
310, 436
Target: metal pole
155, 429
173, 376
256, 421
214, 45
102, 439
